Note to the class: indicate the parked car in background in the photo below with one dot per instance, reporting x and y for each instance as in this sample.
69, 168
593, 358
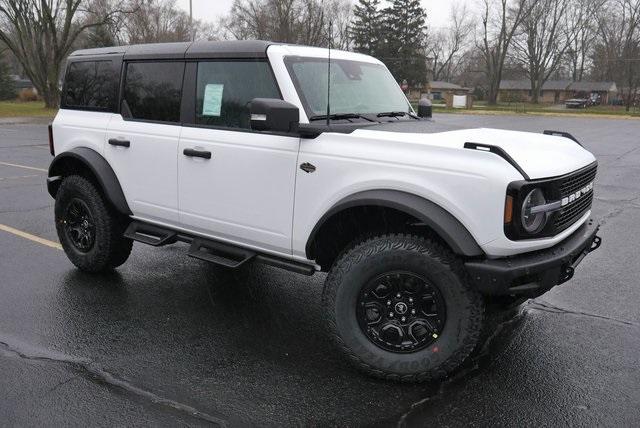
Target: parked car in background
577, 103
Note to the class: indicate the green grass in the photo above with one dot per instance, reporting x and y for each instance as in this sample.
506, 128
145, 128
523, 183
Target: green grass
25, 109
546, 108
481, 107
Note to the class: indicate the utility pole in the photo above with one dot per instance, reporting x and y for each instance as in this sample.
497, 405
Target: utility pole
191, 19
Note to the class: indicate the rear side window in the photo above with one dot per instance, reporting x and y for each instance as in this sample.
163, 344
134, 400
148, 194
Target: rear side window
91, 85
225, 89
152, 91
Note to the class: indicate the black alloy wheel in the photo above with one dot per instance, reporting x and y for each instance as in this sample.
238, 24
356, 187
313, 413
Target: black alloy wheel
79, 225
401, 311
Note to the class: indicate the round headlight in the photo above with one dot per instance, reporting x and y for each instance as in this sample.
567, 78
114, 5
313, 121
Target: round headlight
533, 223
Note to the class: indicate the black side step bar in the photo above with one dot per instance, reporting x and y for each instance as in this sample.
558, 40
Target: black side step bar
220, 253
150, 234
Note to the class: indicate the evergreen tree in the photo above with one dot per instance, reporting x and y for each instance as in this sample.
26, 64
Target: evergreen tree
7, 84
366, 29
406, 32
98, 37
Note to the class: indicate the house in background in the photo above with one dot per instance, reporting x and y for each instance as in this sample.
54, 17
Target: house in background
556, 91
553, 91
438, 90
608, 91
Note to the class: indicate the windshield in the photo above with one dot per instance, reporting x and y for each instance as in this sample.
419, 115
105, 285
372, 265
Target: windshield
356, 87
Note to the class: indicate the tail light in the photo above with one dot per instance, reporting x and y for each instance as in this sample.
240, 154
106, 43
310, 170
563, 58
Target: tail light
52, 150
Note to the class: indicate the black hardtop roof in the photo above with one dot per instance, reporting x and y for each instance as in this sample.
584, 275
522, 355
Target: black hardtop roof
189, 50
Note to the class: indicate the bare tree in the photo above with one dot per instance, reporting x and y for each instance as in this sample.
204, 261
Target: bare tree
41, 34
445, 46
105, 34
291, 21
582, 19
541, 44
617, 53
499, 21
340, 15
156, 21
630, 52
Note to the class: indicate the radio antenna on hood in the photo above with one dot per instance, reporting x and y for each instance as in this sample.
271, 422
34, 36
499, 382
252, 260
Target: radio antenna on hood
329, 72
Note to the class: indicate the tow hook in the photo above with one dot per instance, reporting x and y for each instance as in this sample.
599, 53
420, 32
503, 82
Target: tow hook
571, 269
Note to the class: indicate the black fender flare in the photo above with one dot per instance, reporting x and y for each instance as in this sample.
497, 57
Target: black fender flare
449, 228
100, 169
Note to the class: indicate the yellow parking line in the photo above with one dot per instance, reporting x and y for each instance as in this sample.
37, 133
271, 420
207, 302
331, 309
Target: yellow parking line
30, 237
23, 166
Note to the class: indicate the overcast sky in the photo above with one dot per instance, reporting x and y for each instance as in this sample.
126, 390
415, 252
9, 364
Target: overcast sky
211, 10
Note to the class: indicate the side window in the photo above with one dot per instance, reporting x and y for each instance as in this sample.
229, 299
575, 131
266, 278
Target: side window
91, 85
152, 91
225, 89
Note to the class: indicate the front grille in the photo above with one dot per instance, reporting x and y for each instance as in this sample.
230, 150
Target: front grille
569, 185
573, 183
573, 212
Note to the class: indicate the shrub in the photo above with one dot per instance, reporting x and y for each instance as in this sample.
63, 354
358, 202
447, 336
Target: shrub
26, 95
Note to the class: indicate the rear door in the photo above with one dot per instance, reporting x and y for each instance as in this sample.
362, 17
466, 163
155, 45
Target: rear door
142, 141
234, 183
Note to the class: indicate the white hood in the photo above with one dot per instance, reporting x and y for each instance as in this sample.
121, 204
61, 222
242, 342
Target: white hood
539, 155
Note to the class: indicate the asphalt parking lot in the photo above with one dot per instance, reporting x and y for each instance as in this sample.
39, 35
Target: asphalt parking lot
169, 340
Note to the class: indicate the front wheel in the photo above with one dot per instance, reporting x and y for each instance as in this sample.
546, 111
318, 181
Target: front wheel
400, 308
89, 229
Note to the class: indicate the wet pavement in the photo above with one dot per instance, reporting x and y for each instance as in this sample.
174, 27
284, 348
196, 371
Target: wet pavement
168, 340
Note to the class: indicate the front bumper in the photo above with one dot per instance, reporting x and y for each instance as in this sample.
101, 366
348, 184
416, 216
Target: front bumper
534, 273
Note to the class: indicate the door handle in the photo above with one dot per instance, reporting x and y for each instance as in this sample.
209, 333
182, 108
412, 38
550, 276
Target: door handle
119, 142
197, 153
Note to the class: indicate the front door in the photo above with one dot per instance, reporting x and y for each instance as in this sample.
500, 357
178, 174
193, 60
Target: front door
142, 141
235, 184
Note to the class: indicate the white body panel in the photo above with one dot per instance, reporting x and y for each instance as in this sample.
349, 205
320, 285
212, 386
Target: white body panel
75, 128
469, 184
541, 156
244, 193
147, 169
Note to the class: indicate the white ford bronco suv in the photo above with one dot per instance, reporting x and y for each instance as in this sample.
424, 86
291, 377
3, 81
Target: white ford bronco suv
249, 153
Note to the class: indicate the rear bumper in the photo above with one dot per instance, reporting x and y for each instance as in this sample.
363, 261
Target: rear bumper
535, 273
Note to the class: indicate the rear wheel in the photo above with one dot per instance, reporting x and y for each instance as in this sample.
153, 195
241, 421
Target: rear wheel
400, 308
89, 229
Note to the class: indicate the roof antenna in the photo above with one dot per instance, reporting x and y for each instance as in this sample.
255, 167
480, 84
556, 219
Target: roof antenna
329, 71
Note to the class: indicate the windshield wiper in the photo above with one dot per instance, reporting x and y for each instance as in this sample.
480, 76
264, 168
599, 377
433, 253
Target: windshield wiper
339, 116
397, 114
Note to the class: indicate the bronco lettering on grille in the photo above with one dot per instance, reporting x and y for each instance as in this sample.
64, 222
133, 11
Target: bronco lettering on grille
577, 195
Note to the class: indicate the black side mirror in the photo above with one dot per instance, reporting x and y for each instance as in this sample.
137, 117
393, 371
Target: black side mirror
425, 108
271, 114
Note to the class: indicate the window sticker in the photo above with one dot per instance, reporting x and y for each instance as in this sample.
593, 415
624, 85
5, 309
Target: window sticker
212, 103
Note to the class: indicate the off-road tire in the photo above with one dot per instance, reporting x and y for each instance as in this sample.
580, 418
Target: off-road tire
368, 258
110, 249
